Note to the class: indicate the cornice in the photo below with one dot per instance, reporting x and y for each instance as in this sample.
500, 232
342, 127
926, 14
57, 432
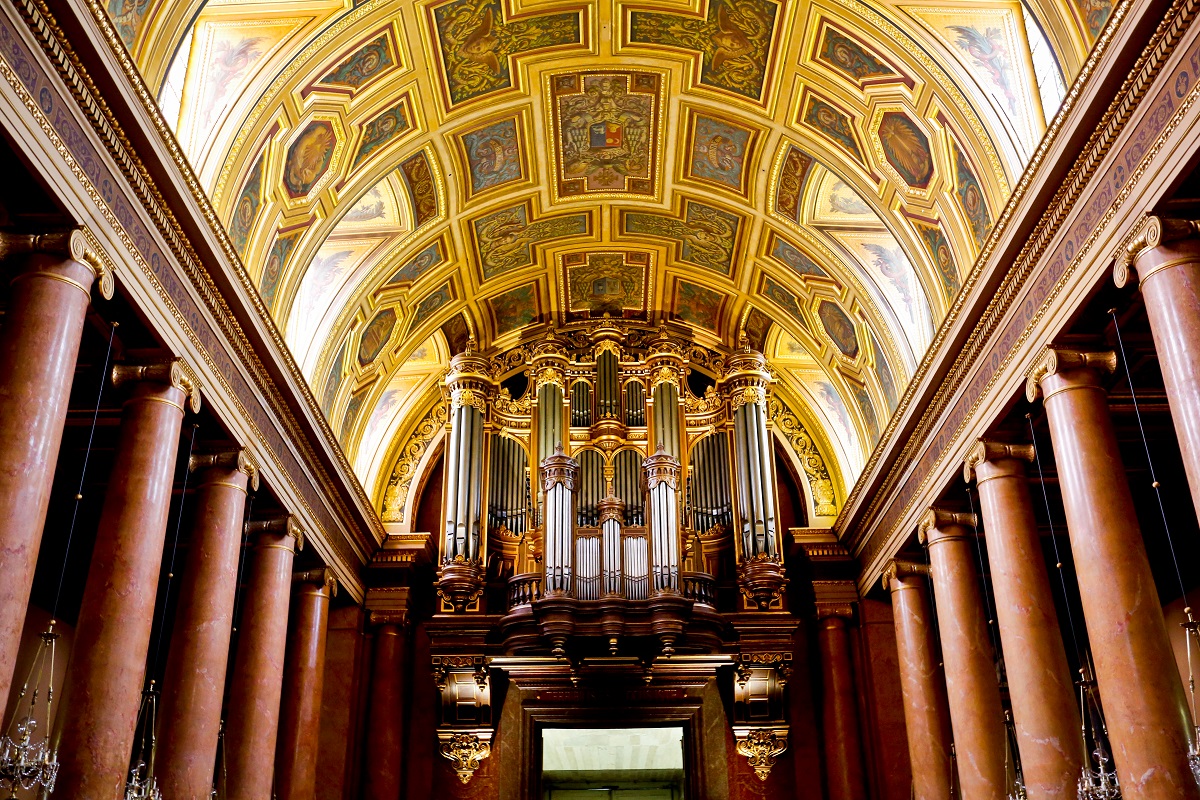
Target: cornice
928, 395
103, 120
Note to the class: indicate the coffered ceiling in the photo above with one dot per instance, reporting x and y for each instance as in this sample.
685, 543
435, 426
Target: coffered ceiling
400, 175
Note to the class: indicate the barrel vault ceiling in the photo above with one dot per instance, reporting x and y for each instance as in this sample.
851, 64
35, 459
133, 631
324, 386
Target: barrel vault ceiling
398, 175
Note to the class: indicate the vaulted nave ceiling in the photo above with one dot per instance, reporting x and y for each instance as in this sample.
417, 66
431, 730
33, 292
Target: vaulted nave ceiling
400, 175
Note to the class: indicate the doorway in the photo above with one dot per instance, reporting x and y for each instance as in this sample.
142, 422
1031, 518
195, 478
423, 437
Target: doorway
612, 763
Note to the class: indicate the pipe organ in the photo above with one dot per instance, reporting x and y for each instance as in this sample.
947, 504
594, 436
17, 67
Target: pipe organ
633, 473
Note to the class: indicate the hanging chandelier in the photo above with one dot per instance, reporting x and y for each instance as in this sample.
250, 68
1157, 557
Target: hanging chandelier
1098, 781
26, 759
141, 784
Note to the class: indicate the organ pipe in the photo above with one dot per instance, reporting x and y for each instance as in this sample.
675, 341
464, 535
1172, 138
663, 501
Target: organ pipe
608, 389
469, 387
559, 474
666, 430
747, 383
662, 485
507, 485
612, 511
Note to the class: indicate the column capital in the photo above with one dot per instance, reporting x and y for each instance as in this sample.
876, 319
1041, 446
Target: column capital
322, 577
379, 619
839, 610
1154, 230
986, 450
173, 372
283, 525
898, 569
72, 244
936, 523
1055, 359
238, 459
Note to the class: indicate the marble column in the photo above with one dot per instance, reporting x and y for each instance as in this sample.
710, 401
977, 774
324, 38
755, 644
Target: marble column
844, 768
1144, 704
252, 726
190, 710
303, 682
104, 682
385, 715
972, 688
1045, 711
39, 344
922, 681
1165, 258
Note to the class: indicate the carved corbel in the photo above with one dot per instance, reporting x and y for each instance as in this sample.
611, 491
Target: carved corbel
323, 576
761, 746
760, 726
465, 712
763, 580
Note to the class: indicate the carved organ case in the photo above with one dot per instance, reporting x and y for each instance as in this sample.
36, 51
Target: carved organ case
609, 482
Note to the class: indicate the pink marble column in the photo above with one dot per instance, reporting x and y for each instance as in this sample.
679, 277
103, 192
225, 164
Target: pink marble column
385, 714
844, 770
1045, 711
972, 687
304, 677
194, 686
39, 344
1143, 697
922, 681
1165, 258
104, 681
252, 719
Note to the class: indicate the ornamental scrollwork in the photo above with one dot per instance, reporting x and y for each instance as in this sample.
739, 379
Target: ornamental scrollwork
819, 482
761, 746
400, 482
465, 751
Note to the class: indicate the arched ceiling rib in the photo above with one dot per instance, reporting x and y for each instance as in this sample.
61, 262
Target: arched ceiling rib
399, 175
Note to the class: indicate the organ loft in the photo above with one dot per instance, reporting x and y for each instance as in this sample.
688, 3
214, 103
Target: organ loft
599, 399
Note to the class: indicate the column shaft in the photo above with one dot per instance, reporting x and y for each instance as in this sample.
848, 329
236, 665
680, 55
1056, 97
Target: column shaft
972, 688
38, 349
1139, 684
253, 724
922, 683
1042, 693
1170, 284
108, 662
843, 745
385, 720
304, 677
194, 685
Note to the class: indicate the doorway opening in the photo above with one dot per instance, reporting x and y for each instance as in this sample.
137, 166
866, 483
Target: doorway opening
612, 763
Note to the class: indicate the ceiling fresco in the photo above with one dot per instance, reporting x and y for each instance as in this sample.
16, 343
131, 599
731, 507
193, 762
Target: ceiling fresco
400, 175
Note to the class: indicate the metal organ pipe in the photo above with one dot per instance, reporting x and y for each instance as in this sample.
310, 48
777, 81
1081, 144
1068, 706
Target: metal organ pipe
662, 482
559, 474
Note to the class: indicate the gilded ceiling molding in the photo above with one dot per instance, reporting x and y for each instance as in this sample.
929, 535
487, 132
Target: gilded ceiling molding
1050, 223
822, 493
396, 505
1153, 57
52, 40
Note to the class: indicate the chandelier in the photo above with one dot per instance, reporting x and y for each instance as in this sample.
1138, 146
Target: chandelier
26, 759
141, 784
1098, 781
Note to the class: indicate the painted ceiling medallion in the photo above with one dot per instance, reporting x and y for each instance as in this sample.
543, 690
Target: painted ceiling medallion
309, 157
905, 147
606, 284
607, 135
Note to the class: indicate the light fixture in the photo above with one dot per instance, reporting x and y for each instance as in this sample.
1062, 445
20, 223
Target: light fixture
26, 758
